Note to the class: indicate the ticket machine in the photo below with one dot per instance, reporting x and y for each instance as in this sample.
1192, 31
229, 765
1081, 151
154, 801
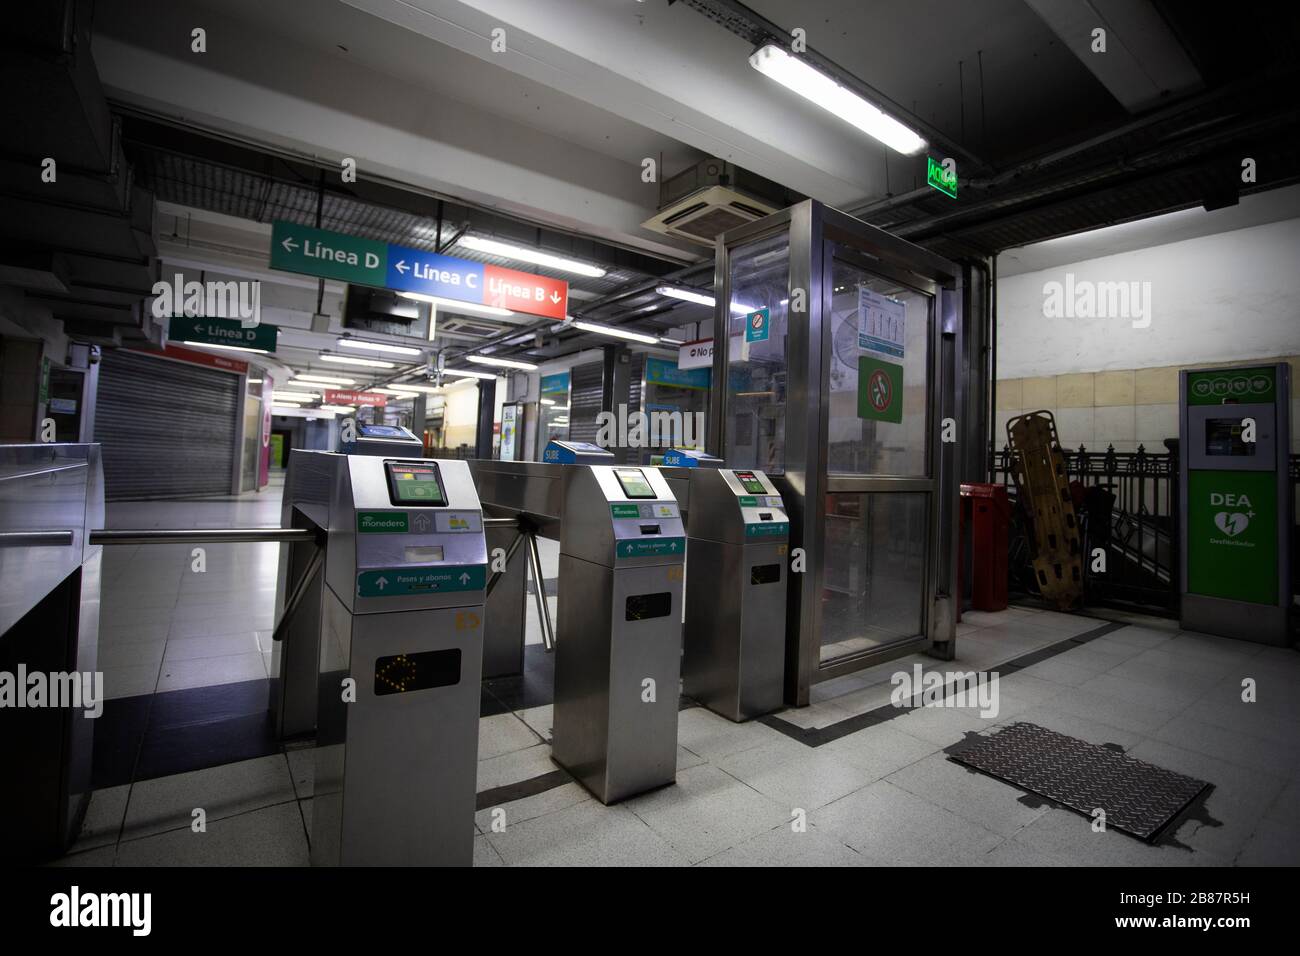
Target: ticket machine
738, 533
400, 660
619, 631
1236, 501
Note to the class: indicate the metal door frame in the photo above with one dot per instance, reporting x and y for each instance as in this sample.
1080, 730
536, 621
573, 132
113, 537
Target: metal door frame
816, 232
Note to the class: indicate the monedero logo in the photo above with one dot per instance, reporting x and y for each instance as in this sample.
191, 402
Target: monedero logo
73, 909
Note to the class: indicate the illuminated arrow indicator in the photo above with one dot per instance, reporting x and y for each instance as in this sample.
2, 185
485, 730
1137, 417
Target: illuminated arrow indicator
381, 583
464, 578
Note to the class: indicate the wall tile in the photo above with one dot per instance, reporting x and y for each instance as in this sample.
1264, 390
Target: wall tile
1113, 424
1010, 394
1114, 388
1074, 391
1155, 423
1039, 393
1074, 427
1156, 385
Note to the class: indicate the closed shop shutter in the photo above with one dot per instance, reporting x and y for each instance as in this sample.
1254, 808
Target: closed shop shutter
167, 428
585, 395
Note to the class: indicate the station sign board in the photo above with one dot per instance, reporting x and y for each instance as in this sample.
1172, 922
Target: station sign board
334, 255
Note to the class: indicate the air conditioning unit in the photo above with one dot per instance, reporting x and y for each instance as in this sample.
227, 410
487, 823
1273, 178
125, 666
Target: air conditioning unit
704, 201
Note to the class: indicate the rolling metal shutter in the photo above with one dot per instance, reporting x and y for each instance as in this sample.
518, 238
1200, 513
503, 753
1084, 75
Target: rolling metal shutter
167, 428
585, 394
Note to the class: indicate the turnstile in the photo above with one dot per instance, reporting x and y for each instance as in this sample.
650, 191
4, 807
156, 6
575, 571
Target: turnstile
619, 630
51, 496
738, 531
400, 659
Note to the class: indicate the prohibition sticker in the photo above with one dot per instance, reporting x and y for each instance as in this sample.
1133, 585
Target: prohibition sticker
880, 387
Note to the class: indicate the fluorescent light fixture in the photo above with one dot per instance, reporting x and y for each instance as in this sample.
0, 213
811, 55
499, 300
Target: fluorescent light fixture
686, 295
378, 347
501, 363
548, 401
699, 298
254, 381
293, 395
525, 254
231, 348
404, 392
409, 389
616, 333
560, 408
467, 373
456, 305
816, 87
313, 379
349, 360
284, 405
338, 409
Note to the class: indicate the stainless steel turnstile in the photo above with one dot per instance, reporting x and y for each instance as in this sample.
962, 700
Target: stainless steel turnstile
400, 665
51, 496
618, 639
738, 533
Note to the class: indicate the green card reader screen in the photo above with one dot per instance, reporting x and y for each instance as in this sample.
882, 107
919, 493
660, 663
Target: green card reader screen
634, 483
414, 483
749, 481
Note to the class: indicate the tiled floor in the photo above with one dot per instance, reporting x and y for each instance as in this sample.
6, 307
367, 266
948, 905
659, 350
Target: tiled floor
186, 662
885, 794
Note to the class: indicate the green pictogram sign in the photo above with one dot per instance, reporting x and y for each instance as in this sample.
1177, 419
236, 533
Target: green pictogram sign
767, 529
397, 582
1232, 535
880, 390
939, 178
655, 548
1241, 386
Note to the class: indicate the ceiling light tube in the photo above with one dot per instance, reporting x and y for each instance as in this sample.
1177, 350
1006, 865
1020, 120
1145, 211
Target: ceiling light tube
467, 373
537, 257
214, 345
275, 405
401, 392
456, 306
616, 333
686, 295
378, 347
501, 363
313, 379
817, 87
349, 360
294, 396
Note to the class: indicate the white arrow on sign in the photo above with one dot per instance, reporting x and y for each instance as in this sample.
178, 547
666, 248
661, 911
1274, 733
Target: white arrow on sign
464, 578
401, 266
382, 583
555, 297
289, 244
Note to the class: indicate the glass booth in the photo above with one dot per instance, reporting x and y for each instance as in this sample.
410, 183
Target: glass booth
835, 377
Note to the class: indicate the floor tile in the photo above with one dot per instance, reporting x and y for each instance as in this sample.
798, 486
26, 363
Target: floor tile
585, 834
272, 836
168, 802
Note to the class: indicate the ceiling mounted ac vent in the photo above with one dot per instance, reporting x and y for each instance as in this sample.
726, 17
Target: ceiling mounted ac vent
713, 196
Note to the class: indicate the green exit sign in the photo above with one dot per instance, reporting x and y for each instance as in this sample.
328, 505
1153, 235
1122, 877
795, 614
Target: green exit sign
940, 178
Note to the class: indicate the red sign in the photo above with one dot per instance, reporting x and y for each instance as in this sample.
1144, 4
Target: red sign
334, 397
195, 357
525, 292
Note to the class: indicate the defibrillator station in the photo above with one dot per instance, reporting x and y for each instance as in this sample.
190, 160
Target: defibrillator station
1236, 504
399, 656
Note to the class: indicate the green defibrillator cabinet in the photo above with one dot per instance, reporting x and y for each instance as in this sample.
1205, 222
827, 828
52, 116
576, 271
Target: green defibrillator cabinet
1236, 503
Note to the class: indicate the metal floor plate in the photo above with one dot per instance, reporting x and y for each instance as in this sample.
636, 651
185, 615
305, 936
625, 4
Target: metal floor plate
1139, 798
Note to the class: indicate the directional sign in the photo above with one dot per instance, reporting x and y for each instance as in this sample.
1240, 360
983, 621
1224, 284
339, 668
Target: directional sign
334, 255
395, 582
347, 397
658, 546
182, 328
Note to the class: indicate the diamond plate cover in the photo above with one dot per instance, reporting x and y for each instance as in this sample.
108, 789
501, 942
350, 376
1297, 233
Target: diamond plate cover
1139, 798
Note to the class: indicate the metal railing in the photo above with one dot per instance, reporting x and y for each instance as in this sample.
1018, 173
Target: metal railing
1128, 505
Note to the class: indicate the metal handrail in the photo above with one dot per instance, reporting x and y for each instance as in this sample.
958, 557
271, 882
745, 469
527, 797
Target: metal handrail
202, 535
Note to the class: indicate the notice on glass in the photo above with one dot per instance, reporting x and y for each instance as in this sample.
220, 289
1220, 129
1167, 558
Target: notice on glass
881, 324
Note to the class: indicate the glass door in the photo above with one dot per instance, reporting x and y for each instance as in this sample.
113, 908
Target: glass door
877, 367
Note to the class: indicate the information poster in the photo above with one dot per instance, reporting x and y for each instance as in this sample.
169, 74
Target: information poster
882, 324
